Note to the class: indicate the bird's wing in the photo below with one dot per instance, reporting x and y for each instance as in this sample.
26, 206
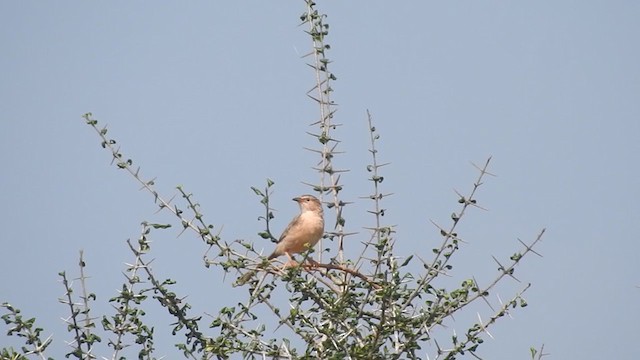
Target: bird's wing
293, 223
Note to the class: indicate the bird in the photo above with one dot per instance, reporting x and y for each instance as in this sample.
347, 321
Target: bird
303, 232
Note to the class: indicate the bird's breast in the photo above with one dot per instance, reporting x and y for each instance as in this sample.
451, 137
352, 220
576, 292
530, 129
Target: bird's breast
306, 234
312, 224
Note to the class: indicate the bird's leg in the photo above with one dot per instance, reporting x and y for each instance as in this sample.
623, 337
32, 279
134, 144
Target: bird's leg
289, 263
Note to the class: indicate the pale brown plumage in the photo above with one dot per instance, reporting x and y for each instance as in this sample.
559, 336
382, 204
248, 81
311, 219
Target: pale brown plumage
302, 233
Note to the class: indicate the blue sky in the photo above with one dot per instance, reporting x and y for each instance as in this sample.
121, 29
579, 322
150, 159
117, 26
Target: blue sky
212, 96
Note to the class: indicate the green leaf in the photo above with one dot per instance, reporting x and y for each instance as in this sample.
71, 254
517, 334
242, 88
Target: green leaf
406, 262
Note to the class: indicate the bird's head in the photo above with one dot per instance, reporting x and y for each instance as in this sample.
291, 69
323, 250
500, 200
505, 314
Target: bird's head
308, 203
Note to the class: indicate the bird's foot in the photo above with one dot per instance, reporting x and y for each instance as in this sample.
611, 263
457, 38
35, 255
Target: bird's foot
290, 263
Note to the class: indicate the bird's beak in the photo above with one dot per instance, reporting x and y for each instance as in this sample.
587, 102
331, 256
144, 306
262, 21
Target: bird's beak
296, 199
